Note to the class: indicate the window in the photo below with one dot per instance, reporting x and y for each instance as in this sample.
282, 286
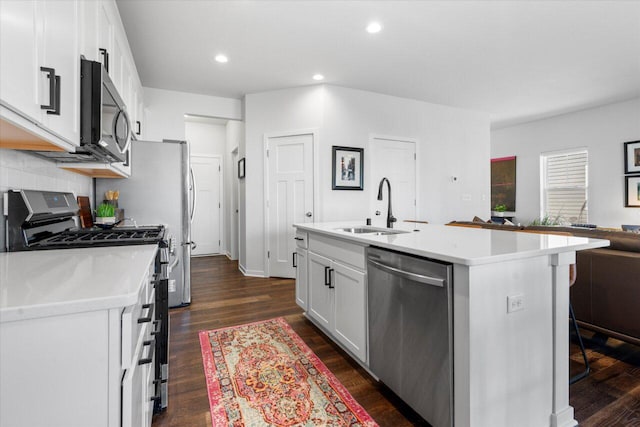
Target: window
564, 186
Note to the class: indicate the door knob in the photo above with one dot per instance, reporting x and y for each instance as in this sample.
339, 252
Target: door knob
308, 214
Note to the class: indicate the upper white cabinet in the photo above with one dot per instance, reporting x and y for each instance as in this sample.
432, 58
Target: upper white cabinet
39, 64
60, 44
19, 64
42, 41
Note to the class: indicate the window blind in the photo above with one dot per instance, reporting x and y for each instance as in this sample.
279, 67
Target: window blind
565, 186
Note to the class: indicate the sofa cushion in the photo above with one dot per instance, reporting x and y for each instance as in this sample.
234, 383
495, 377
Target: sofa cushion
615, 290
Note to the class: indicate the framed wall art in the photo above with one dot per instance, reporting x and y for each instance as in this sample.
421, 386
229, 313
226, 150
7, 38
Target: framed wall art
348, 168
632, 157
632, 191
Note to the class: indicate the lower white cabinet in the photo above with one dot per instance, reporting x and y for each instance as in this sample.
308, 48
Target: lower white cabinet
320, 295
337, 298
302, 288
89, 368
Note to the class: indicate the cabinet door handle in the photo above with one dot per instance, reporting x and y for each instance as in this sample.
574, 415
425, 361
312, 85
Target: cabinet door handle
331, 286
56, 98
149, 308
149, 357
295, 264
327, 276
105, 55
156, 327
51, 75
138, 125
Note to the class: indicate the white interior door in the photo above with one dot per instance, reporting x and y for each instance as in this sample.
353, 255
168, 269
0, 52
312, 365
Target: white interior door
205, 228
395, 160
289, 198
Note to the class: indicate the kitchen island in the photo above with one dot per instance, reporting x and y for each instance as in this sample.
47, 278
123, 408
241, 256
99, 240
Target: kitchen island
76, 336
509, 303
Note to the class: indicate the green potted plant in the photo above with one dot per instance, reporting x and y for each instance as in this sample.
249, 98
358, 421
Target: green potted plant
499, 210
106, 214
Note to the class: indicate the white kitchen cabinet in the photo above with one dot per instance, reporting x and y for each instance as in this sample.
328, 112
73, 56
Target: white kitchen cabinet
60, 51
301, 266
320, 295
105, 34
78, 362
302, 279
19, 63
39, 59
350, 324
337, 291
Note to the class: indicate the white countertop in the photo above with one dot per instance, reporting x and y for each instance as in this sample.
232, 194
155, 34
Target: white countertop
54, 282
460, 245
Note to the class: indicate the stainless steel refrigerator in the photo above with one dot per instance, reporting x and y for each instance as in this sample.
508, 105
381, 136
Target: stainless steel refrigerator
161, 190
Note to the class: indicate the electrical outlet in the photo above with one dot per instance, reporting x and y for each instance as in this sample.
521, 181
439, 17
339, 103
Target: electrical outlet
172, 285
515, 303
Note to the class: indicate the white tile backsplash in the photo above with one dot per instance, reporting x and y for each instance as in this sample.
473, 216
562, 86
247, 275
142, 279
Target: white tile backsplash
21, 170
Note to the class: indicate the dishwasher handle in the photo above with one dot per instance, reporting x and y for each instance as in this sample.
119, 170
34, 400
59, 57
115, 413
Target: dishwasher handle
420, 278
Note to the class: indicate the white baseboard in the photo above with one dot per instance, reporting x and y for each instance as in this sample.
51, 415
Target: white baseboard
250, 273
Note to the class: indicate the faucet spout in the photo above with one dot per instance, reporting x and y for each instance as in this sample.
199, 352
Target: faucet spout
390, 218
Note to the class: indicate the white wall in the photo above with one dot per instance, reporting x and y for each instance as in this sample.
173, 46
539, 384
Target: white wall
164, 111
234, 137
206, 138
19, 170
451, 142
601, 131
268, 112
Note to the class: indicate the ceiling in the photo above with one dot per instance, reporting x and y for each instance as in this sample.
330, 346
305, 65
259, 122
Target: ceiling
517, 60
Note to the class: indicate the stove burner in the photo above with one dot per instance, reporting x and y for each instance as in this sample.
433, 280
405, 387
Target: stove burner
113, 237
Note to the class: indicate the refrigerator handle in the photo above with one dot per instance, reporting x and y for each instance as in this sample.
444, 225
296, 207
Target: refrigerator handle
193, 194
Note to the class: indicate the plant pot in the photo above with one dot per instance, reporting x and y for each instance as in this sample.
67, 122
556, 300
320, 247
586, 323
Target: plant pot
106, 220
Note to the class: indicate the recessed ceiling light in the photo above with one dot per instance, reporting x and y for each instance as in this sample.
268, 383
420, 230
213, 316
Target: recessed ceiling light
318, 77
374, 27
222, 58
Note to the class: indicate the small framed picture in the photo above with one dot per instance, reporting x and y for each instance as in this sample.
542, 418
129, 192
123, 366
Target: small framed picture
632, 187
632, 157
241, 168
348, 168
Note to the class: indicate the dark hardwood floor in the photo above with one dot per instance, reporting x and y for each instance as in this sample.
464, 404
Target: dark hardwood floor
222, 296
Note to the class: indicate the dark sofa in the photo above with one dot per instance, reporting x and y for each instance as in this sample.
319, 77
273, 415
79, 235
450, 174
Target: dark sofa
606, 295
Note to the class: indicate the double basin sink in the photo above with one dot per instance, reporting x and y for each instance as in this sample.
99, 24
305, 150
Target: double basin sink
372, 231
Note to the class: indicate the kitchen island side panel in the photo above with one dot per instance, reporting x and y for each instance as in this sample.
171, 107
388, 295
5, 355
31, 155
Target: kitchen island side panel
503, 370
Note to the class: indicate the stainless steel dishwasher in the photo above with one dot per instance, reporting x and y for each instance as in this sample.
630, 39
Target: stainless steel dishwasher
410, 331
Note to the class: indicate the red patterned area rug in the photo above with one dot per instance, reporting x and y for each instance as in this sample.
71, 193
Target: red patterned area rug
263, 374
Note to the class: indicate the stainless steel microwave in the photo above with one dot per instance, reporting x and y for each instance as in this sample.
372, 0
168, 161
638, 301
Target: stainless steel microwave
105, 129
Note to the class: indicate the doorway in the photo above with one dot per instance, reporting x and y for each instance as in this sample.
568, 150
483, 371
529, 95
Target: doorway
395, 159
206, 226
289, 191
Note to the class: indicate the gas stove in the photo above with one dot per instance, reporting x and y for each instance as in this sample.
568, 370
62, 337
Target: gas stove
47, 220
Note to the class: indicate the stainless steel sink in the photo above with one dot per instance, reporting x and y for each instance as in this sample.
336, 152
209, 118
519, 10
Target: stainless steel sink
371, 230
387, 232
